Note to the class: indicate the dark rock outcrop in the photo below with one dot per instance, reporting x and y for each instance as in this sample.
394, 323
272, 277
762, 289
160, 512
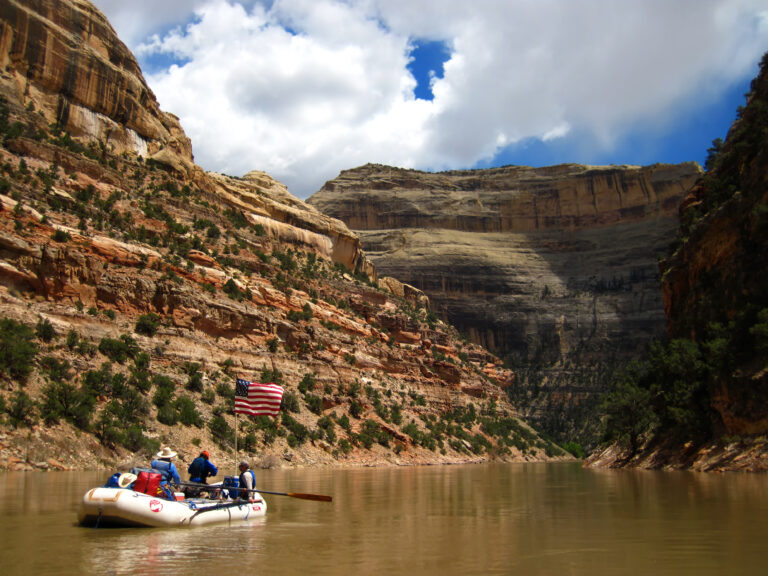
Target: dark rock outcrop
715, 284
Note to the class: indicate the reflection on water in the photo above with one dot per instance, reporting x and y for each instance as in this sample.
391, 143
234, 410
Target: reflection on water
164, 551
489, 519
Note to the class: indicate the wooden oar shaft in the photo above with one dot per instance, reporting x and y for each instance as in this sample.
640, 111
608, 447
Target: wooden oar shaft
299, 495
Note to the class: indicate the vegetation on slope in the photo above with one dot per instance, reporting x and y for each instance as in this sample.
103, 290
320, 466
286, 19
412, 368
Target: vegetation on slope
122, 385
708, 381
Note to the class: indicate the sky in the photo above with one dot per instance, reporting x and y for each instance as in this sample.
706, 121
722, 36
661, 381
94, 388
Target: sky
303, 89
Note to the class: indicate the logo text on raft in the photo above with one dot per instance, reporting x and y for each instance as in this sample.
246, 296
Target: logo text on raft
155, 505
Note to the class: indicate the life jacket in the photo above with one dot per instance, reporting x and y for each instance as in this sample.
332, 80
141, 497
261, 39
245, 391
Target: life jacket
244, 493
164, 467
197, 470
113, 481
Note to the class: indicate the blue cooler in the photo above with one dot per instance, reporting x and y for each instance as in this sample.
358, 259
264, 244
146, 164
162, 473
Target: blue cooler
231, 484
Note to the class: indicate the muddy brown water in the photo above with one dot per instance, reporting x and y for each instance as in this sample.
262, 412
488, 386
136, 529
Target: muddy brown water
527, 519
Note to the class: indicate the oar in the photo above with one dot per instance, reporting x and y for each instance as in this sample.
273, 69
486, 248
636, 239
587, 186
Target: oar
299, 495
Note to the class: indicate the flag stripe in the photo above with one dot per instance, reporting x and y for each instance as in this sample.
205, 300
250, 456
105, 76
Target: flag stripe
257, 399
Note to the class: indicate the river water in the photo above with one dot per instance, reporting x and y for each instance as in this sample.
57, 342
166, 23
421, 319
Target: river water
526, 519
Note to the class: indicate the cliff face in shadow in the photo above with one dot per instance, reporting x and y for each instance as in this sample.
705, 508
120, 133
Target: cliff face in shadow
555, 269
715, 284
700, 400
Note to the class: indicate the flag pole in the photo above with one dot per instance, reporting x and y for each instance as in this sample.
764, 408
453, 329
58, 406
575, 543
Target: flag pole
236, 441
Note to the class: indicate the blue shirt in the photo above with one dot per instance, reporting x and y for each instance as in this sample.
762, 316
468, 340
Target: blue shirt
167, 469
206, 468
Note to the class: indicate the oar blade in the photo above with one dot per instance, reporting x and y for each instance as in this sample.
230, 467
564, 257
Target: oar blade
317, 497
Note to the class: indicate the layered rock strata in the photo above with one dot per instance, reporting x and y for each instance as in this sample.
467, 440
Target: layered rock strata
139, 287
554, 269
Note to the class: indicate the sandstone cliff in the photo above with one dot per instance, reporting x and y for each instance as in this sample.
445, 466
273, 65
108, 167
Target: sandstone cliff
715, 285
555, 269
705, 394
134, 288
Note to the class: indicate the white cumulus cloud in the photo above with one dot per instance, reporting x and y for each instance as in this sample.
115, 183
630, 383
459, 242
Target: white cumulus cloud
305, 88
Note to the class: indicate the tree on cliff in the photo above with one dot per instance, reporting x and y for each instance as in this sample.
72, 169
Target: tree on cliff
628, 413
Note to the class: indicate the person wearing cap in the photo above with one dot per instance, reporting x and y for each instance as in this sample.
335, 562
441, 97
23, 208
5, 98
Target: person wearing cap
201, 468
162, 463
247, 481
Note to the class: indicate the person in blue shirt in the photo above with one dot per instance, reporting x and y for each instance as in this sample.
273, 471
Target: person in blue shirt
162, 463
201, 468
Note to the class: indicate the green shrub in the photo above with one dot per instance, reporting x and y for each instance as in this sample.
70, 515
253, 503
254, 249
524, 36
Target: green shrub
221, 432
308, 383
147, 324
21, 410
290, 402
297, 432
628, 412
98, 382
164, 391
355, 409
44, 330
343, 421
314, 403
60, 236
17, 349
195, 382
167, 415
73, 338
188, 414
345, 447
226, 391
119, 350
108, 430
231, 289
208, 396
371, 432
575, 449
135, 441
58, 401
271, 375
396, 415
327, 425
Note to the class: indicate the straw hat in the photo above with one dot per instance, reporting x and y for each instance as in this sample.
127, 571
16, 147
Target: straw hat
126, 479
166, 452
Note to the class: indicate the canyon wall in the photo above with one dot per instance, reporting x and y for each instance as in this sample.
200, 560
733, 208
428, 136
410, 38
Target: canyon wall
135, 288
555, 269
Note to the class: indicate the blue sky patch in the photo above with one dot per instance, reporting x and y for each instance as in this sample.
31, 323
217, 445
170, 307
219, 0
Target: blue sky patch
427, 59
685, 138
159, 62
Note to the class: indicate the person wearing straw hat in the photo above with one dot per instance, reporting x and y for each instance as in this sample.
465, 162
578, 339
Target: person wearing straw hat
162, 463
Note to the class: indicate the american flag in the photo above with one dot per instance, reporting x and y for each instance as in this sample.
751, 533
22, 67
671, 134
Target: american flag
257, 399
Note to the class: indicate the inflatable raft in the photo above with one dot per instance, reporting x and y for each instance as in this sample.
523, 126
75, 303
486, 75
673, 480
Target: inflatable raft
110, 506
